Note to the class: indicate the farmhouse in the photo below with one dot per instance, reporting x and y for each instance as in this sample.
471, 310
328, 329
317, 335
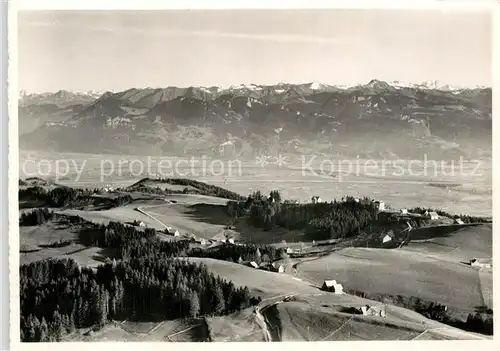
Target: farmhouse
458, 221
278, 267
177, 233
230, 241
380, 205
377, 311
432, 215
289, 250
332, 286
141, 224
481, 263
315, 199
403, 211
254, 264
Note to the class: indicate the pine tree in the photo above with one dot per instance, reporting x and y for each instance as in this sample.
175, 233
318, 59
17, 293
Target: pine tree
44, 331
86, 320
31, 330
72, 326
36, 329
56, 327
219, 303
103, 306
194, 305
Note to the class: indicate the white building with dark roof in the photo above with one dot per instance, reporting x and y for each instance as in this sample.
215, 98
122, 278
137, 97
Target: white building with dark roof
332, 286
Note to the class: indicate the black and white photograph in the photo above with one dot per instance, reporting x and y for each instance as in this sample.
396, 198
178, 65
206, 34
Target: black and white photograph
253, 175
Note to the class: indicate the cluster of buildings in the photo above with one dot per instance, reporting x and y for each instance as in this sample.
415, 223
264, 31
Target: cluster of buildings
430, 214
272, 267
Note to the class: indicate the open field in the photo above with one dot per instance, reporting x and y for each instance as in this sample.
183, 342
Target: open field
399, 272
486, 280
260, 282
84, 256
321, 311
239, 326
208, 219
321, 318
46, 234
34, 244
120, 214
456, 244
167, 331
203, 220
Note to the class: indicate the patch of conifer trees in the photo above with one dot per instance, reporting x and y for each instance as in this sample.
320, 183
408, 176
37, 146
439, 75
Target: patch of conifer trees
236, 253
148, 283
57, 296
191, 187
35, 217
69, 197
337, 219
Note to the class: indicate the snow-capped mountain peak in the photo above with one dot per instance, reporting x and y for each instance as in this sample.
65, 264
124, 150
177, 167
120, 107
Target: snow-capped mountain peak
316, 86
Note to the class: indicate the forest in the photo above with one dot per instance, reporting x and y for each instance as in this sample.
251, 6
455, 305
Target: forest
145, 281
321, 221
57, 296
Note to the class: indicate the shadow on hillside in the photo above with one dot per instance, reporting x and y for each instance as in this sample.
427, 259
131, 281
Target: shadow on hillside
209, 213
27, 204
435, 232
273, 322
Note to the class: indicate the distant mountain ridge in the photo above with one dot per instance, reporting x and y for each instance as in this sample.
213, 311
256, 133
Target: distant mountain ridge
378, 119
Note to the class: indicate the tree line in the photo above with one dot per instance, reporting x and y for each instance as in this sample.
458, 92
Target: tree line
199, 188
70, 197
37, 216
240, 253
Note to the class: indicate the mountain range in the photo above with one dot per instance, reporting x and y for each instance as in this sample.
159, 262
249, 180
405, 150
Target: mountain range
375, 120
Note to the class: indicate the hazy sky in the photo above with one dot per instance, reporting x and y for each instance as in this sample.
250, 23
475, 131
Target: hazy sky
117, 50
